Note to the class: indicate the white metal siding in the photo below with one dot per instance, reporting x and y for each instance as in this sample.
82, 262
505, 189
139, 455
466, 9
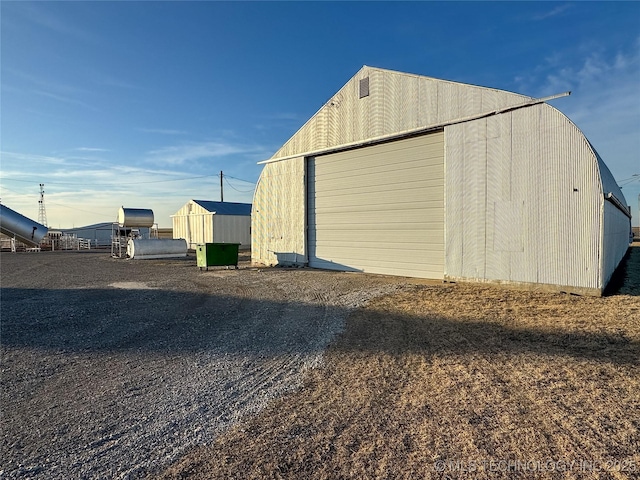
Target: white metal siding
615, 239
195, 228
197, 225
194, 224
396, 102
615, 236
278, 214
232, 229
523, 200
379, 209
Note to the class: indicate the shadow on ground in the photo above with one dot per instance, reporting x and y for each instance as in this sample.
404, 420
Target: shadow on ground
160, 321
626, 278
114, 320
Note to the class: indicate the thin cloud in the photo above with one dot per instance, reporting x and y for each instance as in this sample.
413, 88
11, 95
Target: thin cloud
596, 72
282, 116
20, 164
93, 192
163, 131
559, 10
45, 18
32, 168
109, 81
180, 154
64, 99
73, 193
36, 82
91, 149
8, 158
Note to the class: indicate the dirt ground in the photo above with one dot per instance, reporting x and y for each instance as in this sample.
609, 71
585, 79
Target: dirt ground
125, 369
457, 381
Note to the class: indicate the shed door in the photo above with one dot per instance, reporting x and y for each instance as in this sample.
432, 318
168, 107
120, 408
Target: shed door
379, 209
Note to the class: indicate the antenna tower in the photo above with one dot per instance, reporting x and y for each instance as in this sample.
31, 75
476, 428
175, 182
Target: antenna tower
42, 212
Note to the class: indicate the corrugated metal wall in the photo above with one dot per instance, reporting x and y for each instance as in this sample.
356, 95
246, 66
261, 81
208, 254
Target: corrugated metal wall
615, 235
615, 239
232, 229
194, 224
396, 102
278, 214
523, 201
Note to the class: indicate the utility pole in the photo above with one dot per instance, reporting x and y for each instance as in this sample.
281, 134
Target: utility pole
42, 213
221, 188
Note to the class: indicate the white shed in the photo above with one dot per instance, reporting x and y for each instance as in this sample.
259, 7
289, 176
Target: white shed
409, 175
203, 221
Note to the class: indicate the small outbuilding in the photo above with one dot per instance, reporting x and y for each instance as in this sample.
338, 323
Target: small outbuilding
403, 174
204, 221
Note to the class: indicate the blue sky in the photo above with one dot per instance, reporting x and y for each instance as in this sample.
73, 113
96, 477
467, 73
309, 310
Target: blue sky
142, 104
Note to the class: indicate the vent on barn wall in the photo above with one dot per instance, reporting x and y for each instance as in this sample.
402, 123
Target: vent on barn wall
364, 87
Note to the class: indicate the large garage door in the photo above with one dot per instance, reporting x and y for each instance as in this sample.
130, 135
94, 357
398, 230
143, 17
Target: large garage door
379, 209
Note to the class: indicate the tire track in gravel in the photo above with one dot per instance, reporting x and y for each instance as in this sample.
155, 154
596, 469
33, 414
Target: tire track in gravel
104, 382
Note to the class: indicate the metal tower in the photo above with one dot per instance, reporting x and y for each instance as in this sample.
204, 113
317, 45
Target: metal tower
42, 212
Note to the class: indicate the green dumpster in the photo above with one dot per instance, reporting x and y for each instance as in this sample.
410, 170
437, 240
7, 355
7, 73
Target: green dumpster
217, 255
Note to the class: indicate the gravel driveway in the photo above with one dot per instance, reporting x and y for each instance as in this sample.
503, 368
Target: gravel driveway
113, 368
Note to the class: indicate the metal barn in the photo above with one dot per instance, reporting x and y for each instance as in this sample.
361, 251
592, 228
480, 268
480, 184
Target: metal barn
408, 175
203, 221
99, 233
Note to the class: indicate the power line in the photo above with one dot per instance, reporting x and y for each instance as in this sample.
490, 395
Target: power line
9, 179
229, 183
110, 184
240, 179
56, 204
17, 193
626, 181
76, 208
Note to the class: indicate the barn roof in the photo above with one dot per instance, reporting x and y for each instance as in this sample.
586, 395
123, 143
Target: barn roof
225, 208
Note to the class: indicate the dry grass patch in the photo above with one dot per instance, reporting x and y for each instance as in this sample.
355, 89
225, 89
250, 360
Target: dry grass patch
470, 374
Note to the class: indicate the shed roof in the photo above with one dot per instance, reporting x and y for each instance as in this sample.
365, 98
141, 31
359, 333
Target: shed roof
225, 208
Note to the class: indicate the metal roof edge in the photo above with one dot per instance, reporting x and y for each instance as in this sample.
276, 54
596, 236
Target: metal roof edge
442, 80
222, 208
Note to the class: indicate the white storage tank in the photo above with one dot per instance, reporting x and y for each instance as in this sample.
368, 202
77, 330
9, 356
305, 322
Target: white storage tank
140, 249
135, 217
